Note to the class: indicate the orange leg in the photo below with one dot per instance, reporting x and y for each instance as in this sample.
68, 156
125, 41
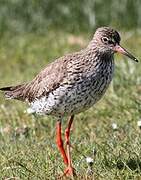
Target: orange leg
69, 170
59, 142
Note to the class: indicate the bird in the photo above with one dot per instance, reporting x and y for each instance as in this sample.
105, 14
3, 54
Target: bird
72, 84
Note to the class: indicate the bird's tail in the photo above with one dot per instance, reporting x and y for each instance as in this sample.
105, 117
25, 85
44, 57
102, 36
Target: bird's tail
14, 92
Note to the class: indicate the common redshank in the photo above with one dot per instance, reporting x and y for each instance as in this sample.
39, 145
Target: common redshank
72, 84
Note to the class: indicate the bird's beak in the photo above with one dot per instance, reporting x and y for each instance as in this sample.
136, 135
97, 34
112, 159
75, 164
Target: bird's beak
123, 51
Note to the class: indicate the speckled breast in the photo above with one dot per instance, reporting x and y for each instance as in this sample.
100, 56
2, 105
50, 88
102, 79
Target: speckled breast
75, 96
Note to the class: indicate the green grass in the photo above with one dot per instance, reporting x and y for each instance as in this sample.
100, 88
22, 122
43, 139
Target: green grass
27, 143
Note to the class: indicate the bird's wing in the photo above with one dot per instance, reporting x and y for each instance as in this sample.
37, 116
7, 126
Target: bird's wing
47, 80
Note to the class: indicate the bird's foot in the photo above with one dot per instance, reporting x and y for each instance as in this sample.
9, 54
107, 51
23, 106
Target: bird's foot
69, 171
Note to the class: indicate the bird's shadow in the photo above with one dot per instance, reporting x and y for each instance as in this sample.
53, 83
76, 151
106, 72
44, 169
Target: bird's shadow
133, 164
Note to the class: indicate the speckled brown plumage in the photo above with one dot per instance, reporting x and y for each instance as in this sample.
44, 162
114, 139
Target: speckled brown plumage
72, 83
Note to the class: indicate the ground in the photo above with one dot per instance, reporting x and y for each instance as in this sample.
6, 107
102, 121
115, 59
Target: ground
27, 142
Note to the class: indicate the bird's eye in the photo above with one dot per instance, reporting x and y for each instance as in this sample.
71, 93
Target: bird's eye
105, 39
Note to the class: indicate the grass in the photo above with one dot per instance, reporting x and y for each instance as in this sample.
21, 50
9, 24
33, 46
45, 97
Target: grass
27, 143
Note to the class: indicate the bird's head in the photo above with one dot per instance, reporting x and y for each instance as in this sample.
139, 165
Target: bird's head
108, 40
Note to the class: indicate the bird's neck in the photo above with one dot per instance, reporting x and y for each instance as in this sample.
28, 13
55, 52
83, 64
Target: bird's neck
99, 51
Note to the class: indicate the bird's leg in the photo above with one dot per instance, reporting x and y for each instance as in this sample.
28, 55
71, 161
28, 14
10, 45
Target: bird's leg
69, 170
59, 142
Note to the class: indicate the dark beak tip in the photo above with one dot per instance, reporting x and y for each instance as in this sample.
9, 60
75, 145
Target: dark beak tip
136, 60
123, 51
